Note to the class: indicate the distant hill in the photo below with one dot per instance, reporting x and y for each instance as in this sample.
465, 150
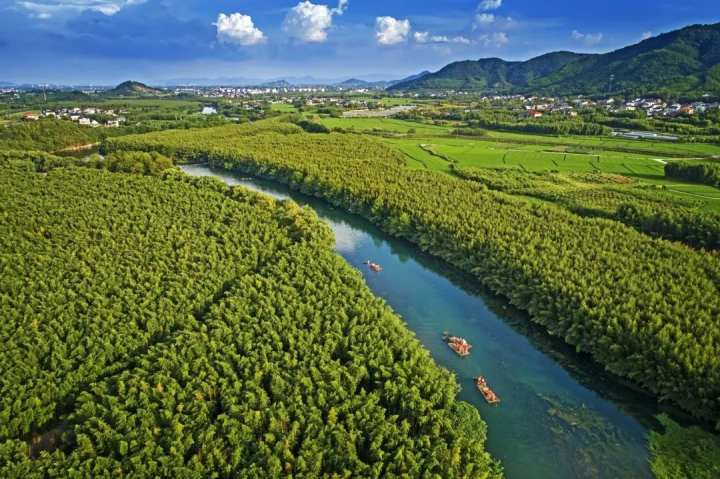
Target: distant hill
686, 60
682, 61
490, 74
410, 78
133, 88
277, 84
355, 83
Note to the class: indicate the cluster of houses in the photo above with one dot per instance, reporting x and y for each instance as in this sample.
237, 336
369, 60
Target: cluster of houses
536, 107
244, 92
658, 108
94, 117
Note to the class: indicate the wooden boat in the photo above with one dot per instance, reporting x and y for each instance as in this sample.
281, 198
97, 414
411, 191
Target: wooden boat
374, 266
487, 393
458, 344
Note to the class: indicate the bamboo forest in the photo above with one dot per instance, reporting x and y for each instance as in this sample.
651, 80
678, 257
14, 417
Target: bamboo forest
249, 350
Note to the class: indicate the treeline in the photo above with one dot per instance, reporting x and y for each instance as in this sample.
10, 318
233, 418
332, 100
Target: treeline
653, 212
677, 126
646, 309
695, 228
138, 162
544, 128
47, 135
471, 132
174, 327
707, 172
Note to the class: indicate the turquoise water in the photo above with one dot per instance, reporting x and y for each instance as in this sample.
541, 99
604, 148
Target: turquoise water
561, 416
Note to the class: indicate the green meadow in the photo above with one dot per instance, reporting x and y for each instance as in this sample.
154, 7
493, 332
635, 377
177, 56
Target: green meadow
433, 147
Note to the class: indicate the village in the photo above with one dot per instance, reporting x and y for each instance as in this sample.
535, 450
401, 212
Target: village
93, 117
536, 107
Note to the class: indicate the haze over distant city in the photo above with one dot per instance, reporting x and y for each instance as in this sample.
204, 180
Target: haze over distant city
170, 41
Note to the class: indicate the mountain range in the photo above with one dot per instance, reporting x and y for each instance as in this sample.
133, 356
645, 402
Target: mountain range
681, 61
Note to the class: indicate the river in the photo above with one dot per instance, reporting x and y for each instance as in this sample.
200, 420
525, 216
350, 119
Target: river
561, 416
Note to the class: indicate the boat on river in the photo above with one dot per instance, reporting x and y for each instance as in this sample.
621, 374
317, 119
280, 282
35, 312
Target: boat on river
458, 344
485, 390
373, 266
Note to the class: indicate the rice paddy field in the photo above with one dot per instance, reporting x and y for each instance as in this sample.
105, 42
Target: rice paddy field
283, 108
432, 147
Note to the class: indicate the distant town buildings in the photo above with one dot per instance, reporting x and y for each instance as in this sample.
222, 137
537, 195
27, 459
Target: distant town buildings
94, 117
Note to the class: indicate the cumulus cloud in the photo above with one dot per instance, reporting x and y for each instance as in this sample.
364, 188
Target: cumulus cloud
391, 31
45, 9
310, 22
497, 39
646, 35
425, 37
588, 39
490, 4
238, 28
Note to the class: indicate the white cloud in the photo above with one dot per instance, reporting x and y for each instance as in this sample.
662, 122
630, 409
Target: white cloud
497, 39
490, 4
425, 37
491, 22
45, 9
309, 22
484, 19
238, 28
342, 6
588, 39
391, 31
646, 35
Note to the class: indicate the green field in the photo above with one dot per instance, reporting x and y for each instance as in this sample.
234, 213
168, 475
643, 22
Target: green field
384, 124
641, 160
396, 101
582, 144
283, 108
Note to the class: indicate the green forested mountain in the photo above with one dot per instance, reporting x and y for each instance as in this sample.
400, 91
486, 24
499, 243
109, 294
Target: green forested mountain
490, 73
682, 61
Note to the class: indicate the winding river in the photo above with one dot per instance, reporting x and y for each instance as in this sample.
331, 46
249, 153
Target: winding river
561, 415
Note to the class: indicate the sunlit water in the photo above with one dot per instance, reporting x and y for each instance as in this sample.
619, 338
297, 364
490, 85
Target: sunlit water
561, 416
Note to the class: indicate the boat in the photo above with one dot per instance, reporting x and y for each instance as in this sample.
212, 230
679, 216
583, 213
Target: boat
487, 393
374, 266
458, 344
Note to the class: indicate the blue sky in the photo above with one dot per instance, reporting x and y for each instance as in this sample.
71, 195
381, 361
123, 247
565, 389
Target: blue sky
108, 41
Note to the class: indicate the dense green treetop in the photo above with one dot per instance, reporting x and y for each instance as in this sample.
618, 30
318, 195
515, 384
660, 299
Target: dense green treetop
174, 327
647, 309
47, 135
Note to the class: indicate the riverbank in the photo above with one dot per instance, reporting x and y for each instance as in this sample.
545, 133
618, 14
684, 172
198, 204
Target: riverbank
562, 415
596, 283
